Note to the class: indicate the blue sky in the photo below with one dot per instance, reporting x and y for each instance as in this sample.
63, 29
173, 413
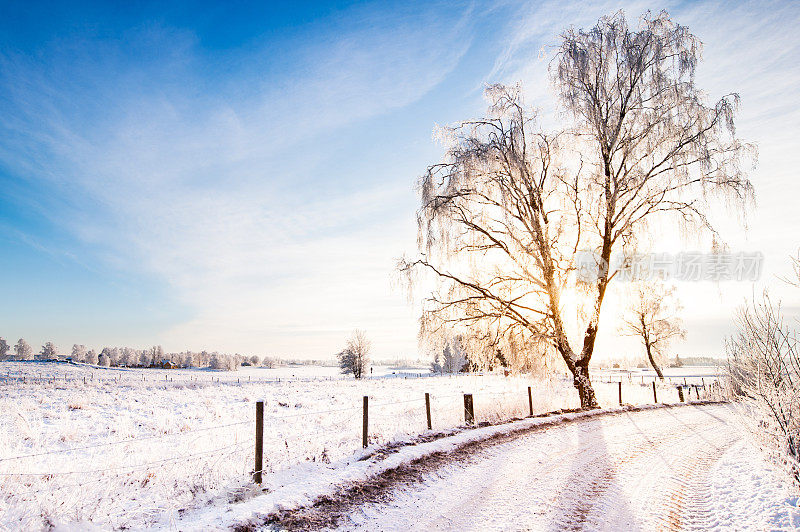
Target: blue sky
241, 176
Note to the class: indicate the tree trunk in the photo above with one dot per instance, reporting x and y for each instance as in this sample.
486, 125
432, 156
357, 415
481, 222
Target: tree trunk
653, 362
582, 382
579, 367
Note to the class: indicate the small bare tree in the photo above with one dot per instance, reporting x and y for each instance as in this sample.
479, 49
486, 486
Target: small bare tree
355, 357
506, 213
653, 317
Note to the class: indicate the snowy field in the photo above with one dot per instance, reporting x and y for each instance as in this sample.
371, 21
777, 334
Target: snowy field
130, 448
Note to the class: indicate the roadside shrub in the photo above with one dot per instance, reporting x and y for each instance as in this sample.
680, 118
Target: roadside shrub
764, 372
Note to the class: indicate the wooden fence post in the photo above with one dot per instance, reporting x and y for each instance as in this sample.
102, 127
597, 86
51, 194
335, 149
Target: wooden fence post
680, 394
365, 428
259, 441
530, 401
655, 396
469, 412
428, 409
620, 393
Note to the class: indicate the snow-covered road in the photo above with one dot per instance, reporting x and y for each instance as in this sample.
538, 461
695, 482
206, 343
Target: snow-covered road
675, 469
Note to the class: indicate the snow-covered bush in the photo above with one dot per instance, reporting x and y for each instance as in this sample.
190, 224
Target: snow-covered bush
764, 370
23, 350
107, 357
187, 359
49, 351
128, 357
436, 365
454, 358
78, 352
216, 361
221, 361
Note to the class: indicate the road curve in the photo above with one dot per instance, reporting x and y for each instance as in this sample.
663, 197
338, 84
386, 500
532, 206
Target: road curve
688, 468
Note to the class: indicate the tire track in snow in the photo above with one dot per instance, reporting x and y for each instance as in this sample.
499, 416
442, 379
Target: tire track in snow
665, 480
601, 481
687, 503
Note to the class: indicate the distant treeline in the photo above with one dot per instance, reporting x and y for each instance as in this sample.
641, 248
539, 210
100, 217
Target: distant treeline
130, 357
695, 361
676, 362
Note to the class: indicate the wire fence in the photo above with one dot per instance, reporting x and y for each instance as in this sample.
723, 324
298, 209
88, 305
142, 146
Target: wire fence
92, 375
706, 390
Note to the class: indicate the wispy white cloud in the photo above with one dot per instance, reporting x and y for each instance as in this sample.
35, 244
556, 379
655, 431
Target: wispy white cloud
229, 175
224, 186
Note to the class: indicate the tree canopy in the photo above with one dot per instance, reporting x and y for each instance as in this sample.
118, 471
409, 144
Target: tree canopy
505, 214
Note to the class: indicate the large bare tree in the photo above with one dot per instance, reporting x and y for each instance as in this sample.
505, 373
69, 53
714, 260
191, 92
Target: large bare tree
506, 213
652, 315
